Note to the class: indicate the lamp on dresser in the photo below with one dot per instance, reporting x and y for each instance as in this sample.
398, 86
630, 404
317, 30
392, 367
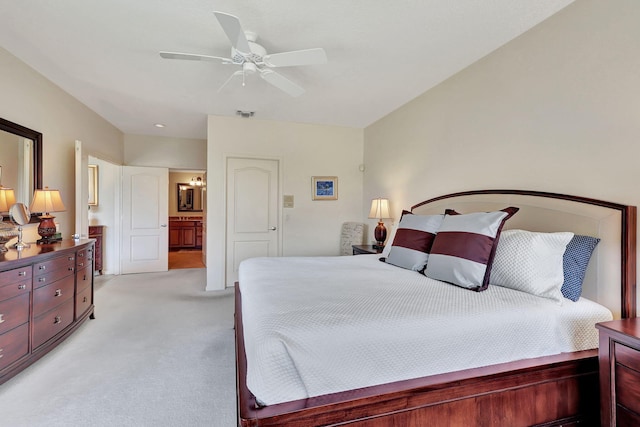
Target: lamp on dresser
47, 201
380, 210
7, 231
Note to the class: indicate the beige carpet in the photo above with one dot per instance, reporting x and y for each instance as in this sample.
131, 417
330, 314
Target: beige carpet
159, 353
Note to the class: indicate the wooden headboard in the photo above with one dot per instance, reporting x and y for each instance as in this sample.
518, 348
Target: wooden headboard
611, 276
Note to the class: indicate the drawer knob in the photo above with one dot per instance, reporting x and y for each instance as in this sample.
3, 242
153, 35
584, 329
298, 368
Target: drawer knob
1, 352
42, 267
70, 268
81, 254
58, 293
58, 319
42, 279
71, 258
84, 299
81, 264
1, 318
23, 286
22, 273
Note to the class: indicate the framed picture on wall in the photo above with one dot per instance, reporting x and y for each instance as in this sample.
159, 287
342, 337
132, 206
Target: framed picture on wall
324, 188
93, 185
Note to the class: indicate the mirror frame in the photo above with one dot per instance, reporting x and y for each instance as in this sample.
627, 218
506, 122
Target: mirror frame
36, 137
192, 187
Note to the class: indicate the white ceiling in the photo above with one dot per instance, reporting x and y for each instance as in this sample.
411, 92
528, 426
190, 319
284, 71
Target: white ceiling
381, 54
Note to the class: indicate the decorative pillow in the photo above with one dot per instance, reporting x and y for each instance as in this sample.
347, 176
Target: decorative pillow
531, 262
575, 261
413, 240
465, 246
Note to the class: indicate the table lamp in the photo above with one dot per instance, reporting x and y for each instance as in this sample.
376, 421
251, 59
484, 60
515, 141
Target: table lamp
7, 231
46, 201
380, 210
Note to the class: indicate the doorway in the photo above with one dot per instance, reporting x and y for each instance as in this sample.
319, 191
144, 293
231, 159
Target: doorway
187, 207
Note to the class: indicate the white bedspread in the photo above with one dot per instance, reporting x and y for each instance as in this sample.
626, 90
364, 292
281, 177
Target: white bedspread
320, 325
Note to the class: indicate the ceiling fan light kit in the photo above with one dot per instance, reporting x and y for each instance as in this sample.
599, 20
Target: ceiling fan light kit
253, 58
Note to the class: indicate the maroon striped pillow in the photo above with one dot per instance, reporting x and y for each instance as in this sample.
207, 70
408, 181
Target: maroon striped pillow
464, 248
413, 240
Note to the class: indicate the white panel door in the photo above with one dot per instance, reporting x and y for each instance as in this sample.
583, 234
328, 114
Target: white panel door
252, 212
145, 214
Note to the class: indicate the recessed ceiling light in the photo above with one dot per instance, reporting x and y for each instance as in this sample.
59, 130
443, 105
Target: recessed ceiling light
159, 125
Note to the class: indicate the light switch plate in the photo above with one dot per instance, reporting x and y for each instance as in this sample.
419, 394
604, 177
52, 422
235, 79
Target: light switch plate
287, 201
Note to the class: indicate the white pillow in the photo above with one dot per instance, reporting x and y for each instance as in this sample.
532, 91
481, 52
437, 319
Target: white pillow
531, 262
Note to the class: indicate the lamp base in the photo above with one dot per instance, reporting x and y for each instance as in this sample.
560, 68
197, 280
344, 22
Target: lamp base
46, 229
380, 234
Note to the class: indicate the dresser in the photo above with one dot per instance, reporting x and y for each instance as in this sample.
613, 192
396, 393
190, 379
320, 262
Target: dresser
46, 292
96, 232
619, 359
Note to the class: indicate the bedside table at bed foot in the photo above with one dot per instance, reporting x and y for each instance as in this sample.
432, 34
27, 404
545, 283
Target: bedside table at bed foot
366, 249
619, 359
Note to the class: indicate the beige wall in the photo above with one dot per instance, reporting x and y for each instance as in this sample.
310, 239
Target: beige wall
33, 101
557, 109
165, 152
311, 227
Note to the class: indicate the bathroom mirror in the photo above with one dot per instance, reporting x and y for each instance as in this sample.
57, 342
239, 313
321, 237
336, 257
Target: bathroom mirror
189, 197
20, 216
21, 160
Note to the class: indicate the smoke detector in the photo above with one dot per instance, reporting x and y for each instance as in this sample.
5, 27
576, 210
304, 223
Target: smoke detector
245, 114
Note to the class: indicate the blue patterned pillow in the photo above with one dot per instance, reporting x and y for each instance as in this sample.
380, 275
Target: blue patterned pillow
575, 261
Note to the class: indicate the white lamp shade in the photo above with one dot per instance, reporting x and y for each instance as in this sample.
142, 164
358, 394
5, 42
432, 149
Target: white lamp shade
7, 199
379, 209
46, 201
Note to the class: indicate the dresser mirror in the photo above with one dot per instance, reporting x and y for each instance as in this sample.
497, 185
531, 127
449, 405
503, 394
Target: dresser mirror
20, 216
20, 161
189, 197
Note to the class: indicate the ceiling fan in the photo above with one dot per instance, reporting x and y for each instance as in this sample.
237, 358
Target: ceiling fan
253, 58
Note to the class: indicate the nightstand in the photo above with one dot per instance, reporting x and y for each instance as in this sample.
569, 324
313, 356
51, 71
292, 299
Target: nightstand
619, 360
365, 249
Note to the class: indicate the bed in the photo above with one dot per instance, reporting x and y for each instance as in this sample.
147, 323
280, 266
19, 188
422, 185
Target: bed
558, 387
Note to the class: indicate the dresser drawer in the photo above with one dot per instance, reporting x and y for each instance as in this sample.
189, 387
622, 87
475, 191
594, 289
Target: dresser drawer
14, 312
627, 356
14, 345
626, 418
83, 302
15, 289
628, 388
12, 276
48, 296
52, 322
52, 270
83, 279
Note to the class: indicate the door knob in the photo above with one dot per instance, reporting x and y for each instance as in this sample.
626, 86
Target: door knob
163, 225
272, 228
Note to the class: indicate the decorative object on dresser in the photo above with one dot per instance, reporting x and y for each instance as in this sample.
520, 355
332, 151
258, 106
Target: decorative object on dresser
380, 210
20, 216
619, 356
46, 201
97, 232
7, 231
46, 293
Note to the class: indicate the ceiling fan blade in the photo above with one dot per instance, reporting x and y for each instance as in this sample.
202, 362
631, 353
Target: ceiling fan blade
237, 73
282, 83
232, 28
296, 57
193, 57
